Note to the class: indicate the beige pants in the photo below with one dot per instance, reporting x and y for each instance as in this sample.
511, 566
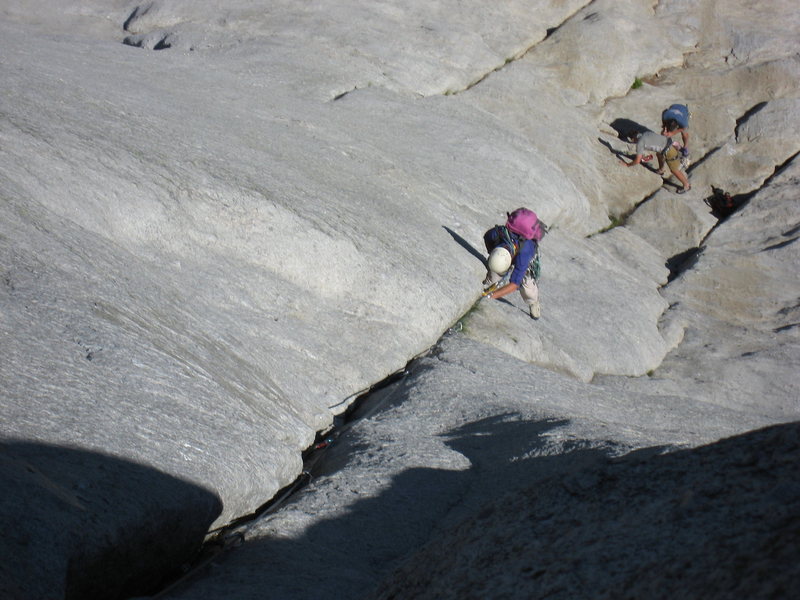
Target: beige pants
528, 290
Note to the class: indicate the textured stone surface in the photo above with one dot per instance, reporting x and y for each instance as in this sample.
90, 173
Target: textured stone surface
720, 521
609, 327
208, 250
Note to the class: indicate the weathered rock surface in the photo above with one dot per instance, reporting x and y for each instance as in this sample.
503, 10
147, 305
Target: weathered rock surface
208, 251
746, 341
719, 521
610, 327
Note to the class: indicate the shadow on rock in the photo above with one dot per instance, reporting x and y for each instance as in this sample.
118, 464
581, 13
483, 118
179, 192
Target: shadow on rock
626, 128
466, 245
81, 525
347, 556
720, 521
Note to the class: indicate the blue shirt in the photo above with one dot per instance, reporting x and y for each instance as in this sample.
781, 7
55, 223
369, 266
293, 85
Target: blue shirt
521, 262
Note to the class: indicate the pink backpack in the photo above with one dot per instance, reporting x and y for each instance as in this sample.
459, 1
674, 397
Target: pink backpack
524, 222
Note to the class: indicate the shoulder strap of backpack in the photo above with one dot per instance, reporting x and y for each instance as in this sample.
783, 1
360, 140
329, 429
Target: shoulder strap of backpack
510, 239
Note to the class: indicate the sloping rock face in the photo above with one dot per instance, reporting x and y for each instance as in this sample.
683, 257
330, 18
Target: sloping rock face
719, 521
614, 326
208, 251
743, 340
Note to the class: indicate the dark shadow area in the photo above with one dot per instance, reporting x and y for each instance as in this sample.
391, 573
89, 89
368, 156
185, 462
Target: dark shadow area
746, 117
163, 44
723, 204
466, 245
626, 128
717, 522
702, 159
681, 262
80, 525
347, 556
618, 153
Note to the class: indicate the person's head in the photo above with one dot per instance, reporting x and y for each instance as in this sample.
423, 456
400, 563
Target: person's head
634, 135
670, 126
499, 260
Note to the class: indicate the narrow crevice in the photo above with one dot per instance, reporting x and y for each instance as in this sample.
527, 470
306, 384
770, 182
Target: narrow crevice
781, 244
233, 534
480, 79
791, 231
780, 168
483, 77
520, 55
137, 12
342, 95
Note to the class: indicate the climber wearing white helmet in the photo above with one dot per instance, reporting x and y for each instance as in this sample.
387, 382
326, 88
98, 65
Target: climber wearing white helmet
515, 244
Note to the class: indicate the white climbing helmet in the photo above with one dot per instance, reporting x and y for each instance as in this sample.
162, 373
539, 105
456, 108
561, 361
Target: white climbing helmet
499, 260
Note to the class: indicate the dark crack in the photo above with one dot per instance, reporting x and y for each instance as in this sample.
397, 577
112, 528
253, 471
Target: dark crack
781, 244
520, 55
149, 41
139, 11
343, 94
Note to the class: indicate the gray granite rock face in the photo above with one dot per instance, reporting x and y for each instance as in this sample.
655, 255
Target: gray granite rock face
610, 327
745, 340
467, 426
218, 226
719, 521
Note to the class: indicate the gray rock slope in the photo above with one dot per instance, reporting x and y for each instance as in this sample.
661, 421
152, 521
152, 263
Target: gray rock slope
218, 226
495, 459
719, 521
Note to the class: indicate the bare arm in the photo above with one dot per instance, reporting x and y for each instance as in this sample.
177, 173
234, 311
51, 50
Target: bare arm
637, 160
503, 291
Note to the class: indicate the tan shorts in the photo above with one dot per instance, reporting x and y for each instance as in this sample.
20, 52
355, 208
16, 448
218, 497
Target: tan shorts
673, 158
